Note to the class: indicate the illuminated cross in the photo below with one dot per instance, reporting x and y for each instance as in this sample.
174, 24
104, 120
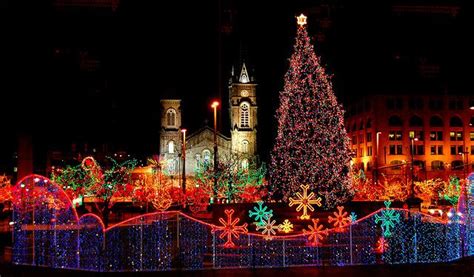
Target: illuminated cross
301, 20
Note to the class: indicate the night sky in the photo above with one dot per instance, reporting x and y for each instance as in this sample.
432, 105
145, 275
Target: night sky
97, 75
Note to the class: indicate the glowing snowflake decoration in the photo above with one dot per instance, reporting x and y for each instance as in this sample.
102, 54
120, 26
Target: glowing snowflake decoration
260, 213
388, 219
353, 217
286, 226
340, 218
305, 201
316, 232
268, 228
382, 245
230, 229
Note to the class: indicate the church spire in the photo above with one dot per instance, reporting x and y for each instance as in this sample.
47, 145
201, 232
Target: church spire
244, 76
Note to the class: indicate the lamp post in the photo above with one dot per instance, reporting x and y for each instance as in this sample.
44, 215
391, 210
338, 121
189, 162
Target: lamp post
376, 157
214, 105
184, 161
412, 187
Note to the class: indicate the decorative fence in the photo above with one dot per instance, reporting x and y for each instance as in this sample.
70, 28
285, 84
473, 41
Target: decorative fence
48, 232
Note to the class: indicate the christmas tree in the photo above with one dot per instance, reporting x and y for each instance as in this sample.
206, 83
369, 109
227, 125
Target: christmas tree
311, 146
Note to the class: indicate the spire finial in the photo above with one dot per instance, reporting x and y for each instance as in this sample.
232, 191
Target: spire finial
301, 20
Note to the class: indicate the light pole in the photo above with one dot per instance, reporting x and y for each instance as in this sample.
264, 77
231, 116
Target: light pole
376, 157
214, 105
412, 189
184, 161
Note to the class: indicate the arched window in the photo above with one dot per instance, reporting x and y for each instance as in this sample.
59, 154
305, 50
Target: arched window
395, 121
419, 164
207, 156
245, 146
457, 165
244, 115
455, 121
437, 165
171, 117
369, 123
436, 121
416, 121
171, 146
396, 162
361, 127
354, 127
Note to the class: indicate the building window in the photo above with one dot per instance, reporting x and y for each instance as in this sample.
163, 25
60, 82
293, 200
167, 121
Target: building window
436, 121
471, 123
395, 150
456, 149
245, 146
436, 150
244, 115
453, 136
369, 123
171, 146
472, 149
369, 137
361, 138
436, 104
361, 127
419, 164
396, 164
437, 165
436, 135
457, 165
420, 135
198, 161
418, 150
171, 117
207, 156
395, 121
369, 151
455, 121
395, 135
354, 140
361, 152
455, 104
416, 121
471, 136
415, 104
354, 127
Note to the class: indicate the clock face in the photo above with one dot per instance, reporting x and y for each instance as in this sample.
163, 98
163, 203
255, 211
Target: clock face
244, 93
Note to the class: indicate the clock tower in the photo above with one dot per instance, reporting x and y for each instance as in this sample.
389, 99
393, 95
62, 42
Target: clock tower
243, 113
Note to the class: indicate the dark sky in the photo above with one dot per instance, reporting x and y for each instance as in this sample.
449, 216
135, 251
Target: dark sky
94, 74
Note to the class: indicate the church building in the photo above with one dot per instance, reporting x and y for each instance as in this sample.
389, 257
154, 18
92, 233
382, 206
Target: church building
200, 144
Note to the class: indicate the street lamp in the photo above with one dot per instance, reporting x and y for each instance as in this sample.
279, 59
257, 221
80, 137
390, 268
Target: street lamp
376, 157
214, 105
184, 161
412, 191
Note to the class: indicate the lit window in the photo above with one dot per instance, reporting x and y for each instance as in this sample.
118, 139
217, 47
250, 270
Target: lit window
207, 156
171, 146
244, 115
245, 164
171, 117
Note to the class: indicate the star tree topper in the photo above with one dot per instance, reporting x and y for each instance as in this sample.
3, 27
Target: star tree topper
305, 201
301, 20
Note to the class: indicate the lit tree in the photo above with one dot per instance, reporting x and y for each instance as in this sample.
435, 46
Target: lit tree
311, 147
234, 179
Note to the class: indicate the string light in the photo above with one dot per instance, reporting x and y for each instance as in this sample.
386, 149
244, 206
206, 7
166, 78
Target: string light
311, 146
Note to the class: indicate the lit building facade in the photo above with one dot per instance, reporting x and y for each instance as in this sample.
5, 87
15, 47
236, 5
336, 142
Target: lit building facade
386, 129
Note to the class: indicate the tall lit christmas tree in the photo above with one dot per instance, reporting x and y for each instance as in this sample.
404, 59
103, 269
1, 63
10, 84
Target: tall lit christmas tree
311, 146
